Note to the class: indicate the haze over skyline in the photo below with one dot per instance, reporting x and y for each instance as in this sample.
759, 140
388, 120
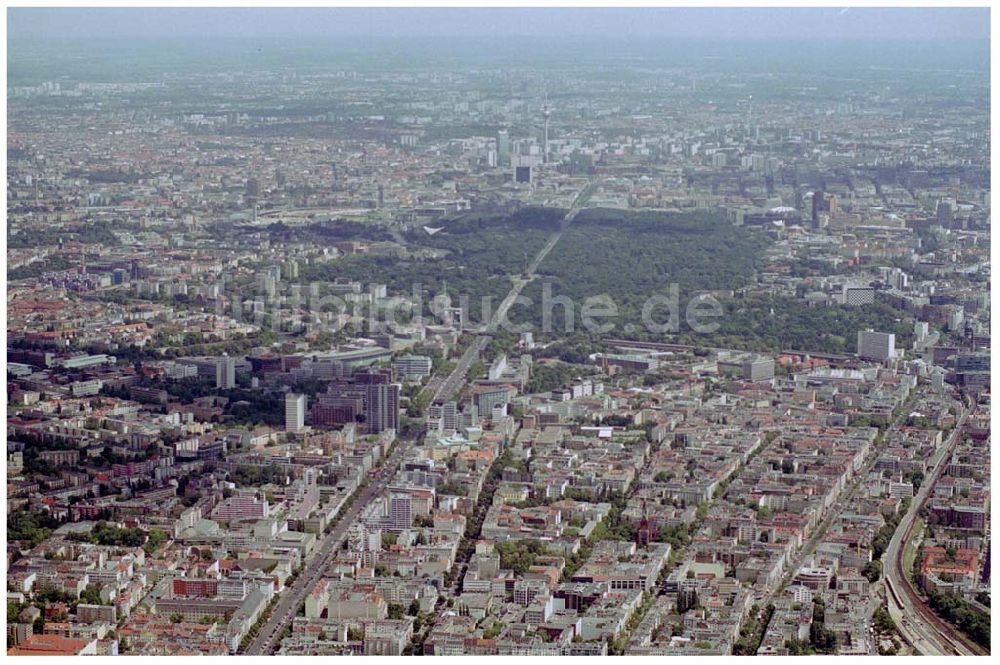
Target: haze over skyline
837, 23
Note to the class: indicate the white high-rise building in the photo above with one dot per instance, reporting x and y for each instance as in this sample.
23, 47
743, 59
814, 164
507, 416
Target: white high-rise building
447, 413
295, 412
876, 345
400, 515
225, 372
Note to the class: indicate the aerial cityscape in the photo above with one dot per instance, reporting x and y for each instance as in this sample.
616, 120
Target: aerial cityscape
506, 332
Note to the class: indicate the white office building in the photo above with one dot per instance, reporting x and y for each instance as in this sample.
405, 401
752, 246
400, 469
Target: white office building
876, 345
295, 412
412, 367
443, 416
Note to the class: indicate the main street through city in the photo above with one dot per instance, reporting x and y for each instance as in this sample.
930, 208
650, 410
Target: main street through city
291, 599
836, 509
456, 379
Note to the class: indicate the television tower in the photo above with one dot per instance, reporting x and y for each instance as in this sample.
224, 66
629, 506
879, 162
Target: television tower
546, 112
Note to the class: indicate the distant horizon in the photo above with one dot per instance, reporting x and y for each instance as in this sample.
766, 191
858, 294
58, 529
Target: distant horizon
37, 57
310, 39
829, 23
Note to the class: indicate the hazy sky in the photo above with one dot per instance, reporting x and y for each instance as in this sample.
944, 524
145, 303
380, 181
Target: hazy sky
916, 23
